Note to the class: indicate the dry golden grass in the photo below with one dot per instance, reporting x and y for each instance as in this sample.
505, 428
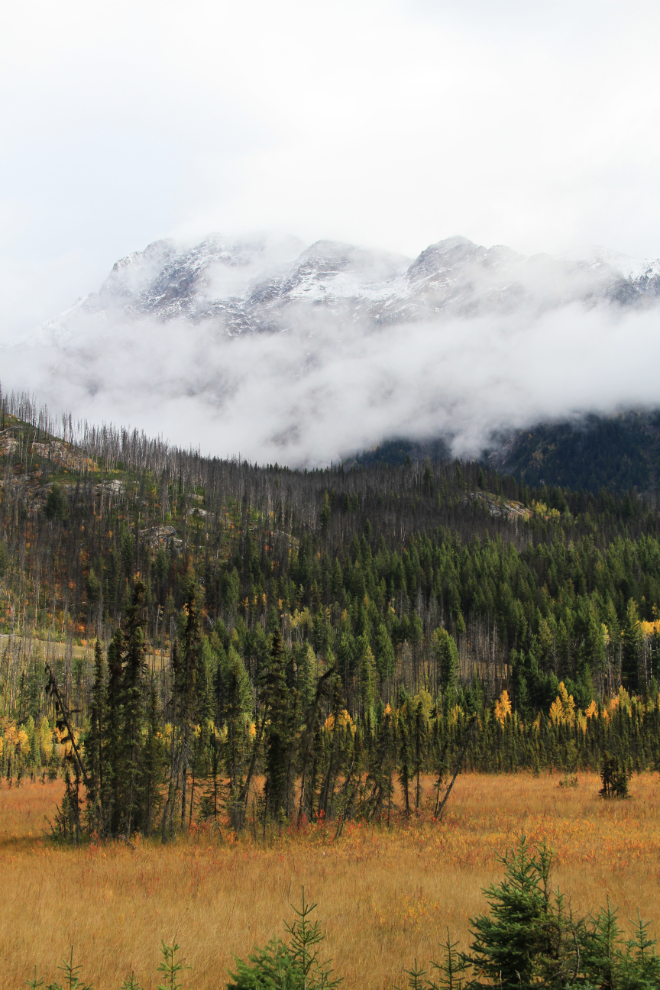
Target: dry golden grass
385, 897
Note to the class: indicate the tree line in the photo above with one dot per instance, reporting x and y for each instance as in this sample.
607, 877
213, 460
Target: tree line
359, 622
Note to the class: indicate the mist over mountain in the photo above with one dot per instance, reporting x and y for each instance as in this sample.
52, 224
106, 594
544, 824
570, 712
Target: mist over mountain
258, 285
306, 355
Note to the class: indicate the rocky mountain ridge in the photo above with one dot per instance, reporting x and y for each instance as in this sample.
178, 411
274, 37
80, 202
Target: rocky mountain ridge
262, 285
311, 355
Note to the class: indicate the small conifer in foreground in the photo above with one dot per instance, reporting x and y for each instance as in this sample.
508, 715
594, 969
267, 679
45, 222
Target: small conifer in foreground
529, 939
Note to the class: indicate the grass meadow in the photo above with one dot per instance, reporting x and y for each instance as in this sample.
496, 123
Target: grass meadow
385, 896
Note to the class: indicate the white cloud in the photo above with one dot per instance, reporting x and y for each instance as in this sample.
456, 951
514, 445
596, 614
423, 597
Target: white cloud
323, 390
385, 123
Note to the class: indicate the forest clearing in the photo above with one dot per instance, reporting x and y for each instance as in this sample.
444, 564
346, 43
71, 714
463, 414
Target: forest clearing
385, 896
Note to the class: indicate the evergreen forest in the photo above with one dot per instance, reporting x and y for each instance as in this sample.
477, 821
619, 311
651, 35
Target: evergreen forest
189, 639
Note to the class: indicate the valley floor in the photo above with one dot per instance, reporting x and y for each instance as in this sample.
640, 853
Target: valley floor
385, 896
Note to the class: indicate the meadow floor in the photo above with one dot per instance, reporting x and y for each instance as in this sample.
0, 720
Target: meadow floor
384, 896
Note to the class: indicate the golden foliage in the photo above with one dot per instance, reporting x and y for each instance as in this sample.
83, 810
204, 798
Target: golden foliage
454, 715
302, 619
592, 710
343, 720
620, 700
503, 707
426, 699
562, 709
16, 739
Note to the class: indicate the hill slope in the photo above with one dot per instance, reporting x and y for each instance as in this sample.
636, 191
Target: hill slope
618, 453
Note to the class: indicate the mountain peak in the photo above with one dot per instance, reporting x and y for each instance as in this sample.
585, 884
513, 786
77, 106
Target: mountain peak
249, 284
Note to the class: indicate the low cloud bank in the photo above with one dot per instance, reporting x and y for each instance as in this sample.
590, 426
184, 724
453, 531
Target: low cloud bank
325, 389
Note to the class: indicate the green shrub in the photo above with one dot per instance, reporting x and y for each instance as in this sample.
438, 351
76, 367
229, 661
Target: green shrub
57, 506
529, 940
614, 775
292, 966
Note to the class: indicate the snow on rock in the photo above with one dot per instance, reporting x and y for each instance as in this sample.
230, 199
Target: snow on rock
240, 287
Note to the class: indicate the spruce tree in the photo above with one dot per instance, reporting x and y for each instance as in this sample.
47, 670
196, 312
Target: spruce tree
446, 658
367, 677
328, 788
134, 696
185, 707
631, 641
382, 761
517, 944
239, 703
405, 757
420, 733
188, 686
211, 803
93, 743
111, 747
384, 652
280, 704
154, 762
174, 781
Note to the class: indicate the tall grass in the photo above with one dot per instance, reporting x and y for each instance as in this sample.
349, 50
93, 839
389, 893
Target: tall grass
385, 897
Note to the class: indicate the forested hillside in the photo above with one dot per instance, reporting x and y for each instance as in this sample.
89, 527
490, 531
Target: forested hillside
209, 622
617, 453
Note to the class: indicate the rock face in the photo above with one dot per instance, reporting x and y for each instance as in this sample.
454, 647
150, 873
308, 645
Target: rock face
262, 285
311, 355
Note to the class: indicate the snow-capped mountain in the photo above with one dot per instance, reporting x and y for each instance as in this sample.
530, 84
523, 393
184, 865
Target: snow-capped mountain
307, 355
252, 286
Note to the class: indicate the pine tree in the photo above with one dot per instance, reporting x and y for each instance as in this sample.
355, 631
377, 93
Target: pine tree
154, 763
239, 697
405, 769
112, 749
134, 712
187, 686
93, 743
420, 734
446, 657
518, 943
632, 638
280, 704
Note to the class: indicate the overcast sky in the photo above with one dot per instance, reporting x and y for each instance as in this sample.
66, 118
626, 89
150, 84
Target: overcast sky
389, 124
